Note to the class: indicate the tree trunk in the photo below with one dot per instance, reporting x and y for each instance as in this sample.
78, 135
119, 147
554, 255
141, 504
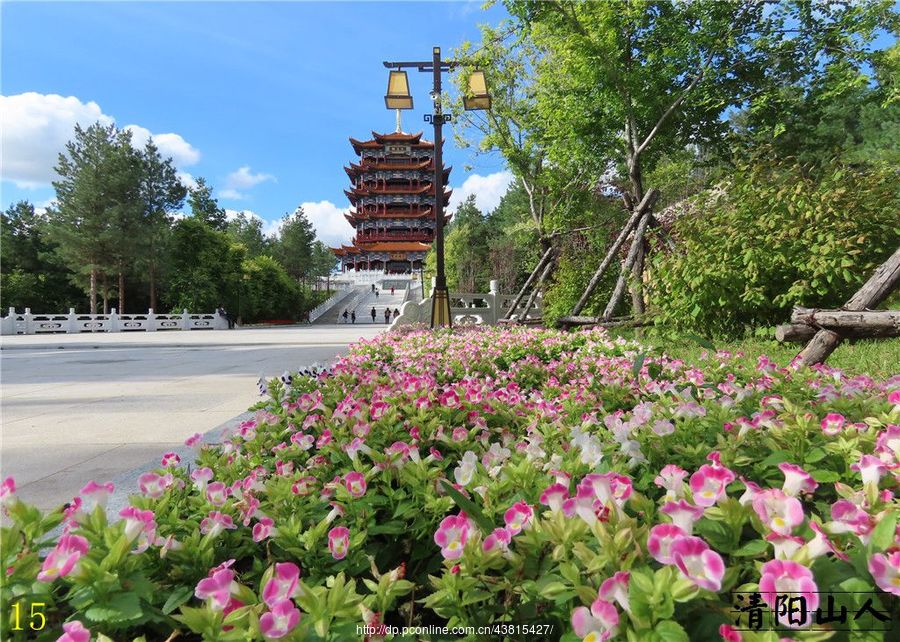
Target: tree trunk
871, 294
152, 287
93, 290
838, 320
637, 280
646, 203
537, 269
802, 333
547, 269
121, 292
636, 246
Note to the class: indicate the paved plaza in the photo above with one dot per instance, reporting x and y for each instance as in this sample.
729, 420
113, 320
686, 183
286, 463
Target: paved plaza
82, 407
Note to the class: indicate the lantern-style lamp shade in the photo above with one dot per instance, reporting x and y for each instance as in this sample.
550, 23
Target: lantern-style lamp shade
477, 97
398, 91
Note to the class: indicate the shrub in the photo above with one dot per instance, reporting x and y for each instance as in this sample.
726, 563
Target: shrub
774, 238
534, 483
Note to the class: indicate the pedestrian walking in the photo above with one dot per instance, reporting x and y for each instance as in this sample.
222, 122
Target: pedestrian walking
396, 313
387, 315
353, 317
376, 293
373, 314
345, 315
373, 287
392, 291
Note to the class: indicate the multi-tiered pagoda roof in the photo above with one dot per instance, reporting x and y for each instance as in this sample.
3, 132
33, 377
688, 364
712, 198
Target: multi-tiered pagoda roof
392, 193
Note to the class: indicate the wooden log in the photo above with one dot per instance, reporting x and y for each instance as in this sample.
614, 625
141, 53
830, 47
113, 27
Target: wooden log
616, 323
528, 282
636, 247
838, 320
870, 295
801, 333
537, 286
645, 204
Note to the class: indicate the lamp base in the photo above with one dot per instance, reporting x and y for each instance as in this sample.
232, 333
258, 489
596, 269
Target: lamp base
440, 309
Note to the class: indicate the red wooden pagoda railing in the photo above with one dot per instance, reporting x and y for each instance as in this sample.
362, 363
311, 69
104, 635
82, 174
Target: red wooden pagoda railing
425, 237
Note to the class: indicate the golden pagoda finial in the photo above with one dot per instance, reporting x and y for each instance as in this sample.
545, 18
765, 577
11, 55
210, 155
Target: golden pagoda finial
399, 130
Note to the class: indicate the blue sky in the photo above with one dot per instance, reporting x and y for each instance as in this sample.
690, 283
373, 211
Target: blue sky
258, 98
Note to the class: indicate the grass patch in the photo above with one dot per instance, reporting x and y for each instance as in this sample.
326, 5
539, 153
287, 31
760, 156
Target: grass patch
879, 358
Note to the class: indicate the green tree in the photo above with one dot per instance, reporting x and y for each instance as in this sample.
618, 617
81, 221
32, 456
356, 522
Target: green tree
205, 207
268, 292
322, 261
248, 231
161, 192
293, 249
205, 267
96, 195
465, 249
32, 276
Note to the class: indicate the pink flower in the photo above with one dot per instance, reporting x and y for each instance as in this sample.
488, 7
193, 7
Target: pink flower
870, 468
94, 494
170, 460
216, 588
615, 589
554, 496
449, 399
217, 493
886, 571
303, 486
797, 480
780, 577
280, 621
339, 542
215, 523
730, 634
452, 535
263, 529
153, 485
750, 493
708, 484
518, 517
599, 623
499, 539
7, 491
459, 433
832, 424
785, 545
193, 440
74, 632
894, 397
355, 483
700, 564
140, 525
663, 427
284, 468
820, 544
777, 511
659, 542
847, 517
200, 477
683, 514
671, 477
283, 585
610, 487
63, 559
324, 439
305, 442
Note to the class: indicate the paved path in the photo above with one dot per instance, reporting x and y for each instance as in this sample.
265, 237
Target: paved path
82, 407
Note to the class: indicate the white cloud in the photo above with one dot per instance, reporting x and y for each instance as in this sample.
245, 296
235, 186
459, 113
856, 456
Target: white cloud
242, 179
41, 206
488, 190
328, 220
34, 130
187, 180
269, 228
170, 145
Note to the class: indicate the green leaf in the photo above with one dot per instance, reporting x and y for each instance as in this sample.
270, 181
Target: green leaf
671, 631
705, 343
469, 507
752, 548
883, 535
638, 364
825, 476
178, 597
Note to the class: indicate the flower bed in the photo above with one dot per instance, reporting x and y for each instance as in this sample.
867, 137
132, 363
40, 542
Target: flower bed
541, 484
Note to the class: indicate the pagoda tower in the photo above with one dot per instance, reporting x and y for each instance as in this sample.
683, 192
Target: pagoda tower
392, 193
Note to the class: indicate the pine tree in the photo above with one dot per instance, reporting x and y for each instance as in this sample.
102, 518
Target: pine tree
205, 207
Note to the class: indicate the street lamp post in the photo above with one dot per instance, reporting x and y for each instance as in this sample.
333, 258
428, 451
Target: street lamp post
398, 97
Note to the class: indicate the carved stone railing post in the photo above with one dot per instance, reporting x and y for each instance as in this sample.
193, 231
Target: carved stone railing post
151, 320
73, 322
29, 321
185, 320
113, 321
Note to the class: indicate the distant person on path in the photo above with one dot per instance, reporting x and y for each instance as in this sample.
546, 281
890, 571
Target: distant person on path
392, 291
345, 315
396, 313
376, 294
373, 314
373, 287
230, 319
353, 317
387, 315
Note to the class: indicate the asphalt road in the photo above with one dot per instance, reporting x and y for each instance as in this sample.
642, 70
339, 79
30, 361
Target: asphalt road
79, 407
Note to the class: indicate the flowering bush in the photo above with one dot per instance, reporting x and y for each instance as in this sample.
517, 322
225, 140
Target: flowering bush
484, 478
